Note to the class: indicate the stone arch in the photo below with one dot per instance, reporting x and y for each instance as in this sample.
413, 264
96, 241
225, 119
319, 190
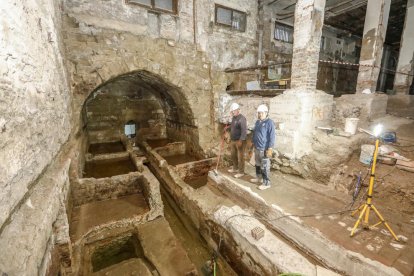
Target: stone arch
96, 58
159, 107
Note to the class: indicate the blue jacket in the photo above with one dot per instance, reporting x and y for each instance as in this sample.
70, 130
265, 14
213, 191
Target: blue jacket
264, 134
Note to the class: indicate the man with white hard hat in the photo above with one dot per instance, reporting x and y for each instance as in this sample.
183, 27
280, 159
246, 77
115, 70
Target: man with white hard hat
238, 133
263, 142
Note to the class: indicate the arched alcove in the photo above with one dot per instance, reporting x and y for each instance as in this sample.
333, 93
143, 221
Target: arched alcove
159, 109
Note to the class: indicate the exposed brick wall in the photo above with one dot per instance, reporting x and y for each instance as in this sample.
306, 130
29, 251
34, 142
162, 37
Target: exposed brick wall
309, 17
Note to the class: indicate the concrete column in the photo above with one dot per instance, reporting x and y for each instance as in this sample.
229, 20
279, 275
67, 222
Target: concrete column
375, 27
309, 15
403, 81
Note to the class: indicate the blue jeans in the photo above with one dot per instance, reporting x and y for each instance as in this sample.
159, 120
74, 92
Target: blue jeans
262, 164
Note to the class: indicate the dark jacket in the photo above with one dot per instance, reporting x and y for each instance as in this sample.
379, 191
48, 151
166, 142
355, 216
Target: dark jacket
238, 128
264, 134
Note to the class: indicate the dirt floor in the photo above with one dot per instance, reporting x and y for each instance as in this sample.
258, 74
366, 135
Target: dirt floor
394, 187
93, 214
108, 168
393, 196
308, 202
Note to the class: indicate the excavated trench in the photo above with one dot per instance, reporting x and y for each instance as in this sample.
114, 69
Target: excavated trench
145, 209
115, 199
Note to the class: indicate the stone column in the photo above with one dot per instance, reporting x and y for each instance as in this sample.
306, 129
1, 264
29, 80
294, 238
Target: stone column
403, 81
309, 15
375, 27
299, 109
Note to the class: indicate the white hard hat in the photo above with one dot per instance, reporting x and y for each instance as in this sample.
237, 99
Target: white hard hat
234, 106
262, 108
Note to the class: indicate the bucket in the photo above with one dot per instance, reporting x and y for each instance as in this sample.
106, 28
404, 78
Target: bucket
351, 125
367, 151
389, 137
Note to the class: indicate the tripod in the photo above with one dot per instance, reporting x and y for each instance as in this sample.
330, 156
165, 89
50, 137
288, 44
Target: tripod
367, 206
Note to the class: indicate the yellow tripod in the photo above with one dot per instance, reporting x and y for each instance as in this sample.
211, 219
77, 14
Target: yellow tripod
366, 207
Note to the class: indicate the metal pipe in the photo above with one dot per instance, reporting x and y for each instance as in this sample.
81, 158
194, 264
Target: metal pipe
255, 67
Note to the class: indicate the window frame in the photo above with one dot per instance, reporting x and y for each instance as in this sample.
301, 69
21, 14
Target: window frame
284, 26
232, 10
155, 9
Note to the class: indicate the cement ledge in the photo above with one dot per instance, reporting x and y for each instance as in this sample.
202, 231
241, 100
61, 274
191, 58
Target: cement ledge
269, 256
309, 239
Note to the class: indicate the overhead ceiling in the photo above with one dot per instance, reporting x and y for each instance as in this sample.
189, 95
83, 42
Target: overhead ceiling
349, 15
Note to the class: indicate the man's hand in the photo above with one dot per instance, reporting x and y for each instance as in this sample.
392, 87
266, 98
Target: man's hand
269, 153
239, 143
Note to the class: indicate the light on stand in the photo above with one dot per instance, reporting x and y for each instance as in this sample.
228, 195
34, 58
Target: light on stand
377, 130
368, 205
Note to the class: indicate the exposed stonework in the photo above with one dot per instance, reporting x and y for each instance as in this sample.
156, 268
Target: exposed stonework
365, 107
224, 46
299, 112
35, 105
375, 27
179, 65
307, 36
34, 124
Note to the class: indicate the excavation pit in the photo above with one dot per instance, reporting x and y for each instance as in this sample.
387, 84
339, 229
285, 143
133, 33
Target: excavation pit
156, 143
116, 251
102, 148
108, 167
93, 214
197, 182
179, 159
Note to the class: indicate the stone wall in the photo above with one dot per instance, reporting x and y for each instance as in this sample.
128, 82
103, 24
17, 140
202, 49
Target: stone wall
87, 190
97, 55
34, 108
227, 48
34, 124
224, 46
298, 112
172, 149
366, 107
117, 103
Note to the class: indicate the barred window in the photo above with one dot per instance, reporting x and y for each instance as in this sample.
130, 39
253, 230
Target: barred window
161, 5
231, 18
283, 32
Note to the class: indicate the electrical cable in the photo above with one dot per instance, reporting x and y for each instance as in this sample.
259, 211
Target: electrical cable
402, 146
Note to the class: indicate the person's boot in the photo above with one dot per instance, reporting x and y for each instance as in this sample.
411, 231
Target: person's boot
239, 175
265, 185
232, 170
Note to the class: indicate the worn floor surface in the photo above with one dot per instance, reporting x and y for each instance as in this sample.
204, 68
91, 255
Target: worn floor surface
302, 198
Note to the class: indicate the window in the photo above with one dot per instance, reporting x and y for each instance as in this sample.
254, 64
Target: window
130, 131
231, 18
283, 32
161, 5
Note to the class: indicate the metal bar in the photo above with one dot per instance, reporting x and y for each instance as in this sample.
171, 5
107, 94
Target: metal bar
264, 66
